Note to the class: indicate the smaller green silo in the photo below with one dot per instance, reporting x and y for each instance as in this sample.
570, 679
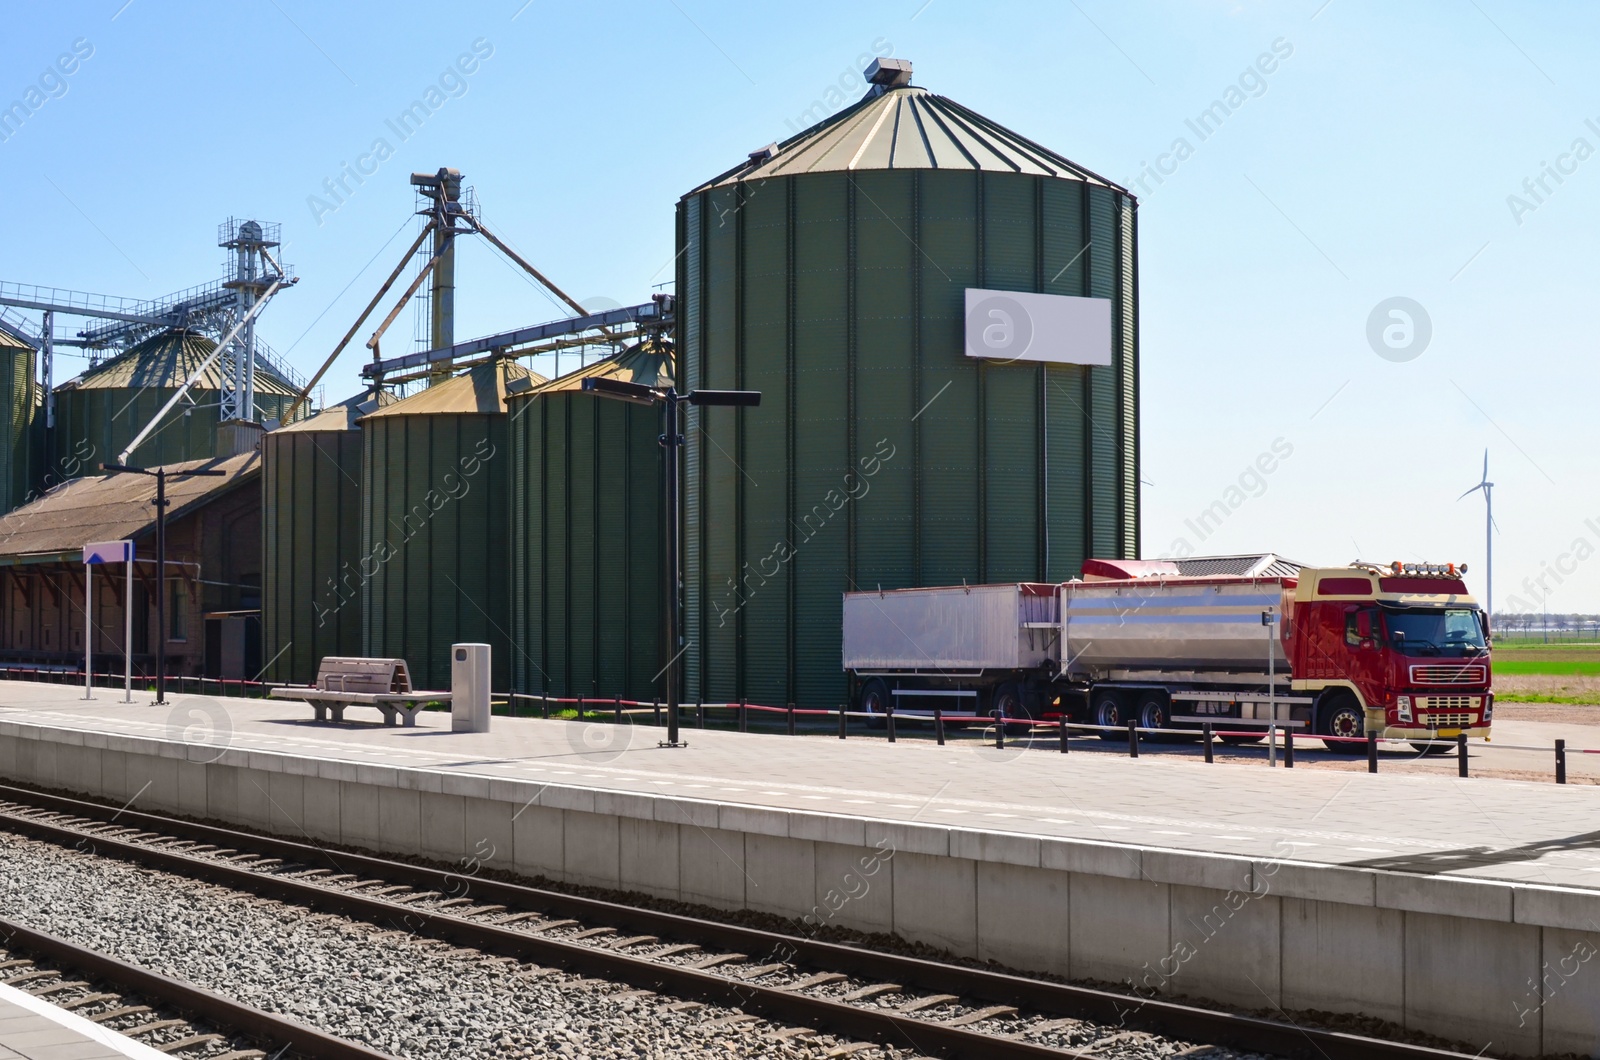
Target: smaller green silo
435, 475
101, 411
311, 512
586, 533
18, 392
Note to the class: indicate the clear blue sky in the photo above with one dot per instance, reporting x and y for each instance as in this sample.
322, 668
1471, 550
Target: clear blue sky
1375, 161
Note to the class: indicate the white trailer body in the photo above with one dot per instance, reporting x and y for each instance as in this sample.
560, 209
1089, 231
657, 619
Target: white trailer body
951, 631
1180, 625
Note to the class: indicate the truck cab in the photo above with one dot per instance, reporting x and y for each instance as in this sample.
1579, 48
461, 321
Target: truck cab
1401, 650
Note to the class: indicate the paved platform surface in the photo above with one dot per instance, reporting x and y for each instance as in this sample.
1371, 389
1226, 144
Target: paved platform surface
1484, 828
33, 1029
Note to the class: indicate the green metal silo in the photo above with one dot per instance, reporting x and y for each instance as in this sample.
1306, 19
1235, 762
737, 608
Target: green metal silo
830, 274
311, 530
434, 481
586, 533
101, 411
20, 397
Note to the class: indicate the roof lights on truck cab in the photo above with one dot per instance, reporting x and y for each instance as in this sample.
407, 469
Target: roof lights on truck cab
1415, 570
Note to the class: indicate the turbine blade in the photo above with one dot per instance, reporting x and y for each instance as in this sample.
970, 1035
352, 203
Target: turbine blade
1471, 491
1486, 465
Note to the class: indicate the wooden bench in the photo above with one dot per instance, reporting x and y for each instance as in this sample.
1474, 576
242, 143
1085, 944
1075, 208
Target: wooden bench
352, 682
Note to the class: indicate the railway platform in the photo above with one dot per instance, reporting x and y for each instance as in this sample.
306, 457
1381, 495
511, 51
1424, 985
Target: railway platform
1465, 908
33, 1029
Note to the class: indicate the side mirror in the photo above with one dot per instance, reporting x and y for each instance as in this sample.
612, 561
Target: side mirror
1364, 625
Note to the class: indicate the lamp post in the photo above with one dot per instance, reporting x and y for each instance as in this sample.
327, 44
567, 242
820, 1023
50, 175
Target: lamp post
160, 475
669, 399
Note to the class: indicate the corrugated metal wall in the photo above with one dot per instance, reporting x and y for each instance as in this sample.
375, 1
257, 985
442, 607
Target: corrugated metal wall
94, 424
434, 528
311, 533
17, 392
586, 546
881, 454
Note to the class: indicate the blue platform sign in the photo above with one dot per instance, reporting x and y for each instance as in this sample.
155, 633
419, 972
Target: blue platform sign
108, 552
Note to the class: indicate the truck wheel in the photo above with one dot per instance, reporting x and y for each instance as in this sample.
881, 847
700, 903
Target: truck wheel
1107, 710
1155, 713
874, 700
1343, 717
1009, 701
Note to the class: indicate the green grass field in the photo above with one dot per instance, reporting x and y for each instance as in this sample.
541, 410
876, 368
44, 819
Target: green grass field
1547, 673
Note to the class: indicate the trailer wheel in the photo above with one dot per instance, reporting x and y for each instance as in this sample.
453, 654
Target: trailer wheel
1155, 713
1010, 701
1107, 710
1343, 716
874, 700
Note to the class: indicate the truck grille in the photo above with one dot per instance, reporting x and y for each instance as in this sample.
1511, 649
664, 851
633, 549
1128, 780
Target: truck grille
1447, 675
1447, 702
1445, 721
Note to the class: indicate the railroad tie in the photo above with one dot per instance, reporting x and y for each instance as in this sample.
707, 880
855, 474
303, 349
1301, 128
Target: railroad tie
184, 1043
117, 1013
849, 1048
25, 977
979, 1016
86, 1000
56, 988
684, 1006
791, 1032
871, 991
820, 979
718, 958
242, 1054
729, 1021
634, 940
593, 933
761, 969
151, 1028
920, 1003
675, 949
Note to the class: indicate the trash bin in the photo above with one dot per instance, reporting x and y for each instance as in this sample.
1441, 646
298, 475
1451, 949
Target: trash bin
469, 688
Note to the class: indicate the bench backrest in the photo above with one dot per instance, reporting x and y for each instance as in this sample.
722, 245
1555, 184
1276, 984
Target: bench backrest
348, 674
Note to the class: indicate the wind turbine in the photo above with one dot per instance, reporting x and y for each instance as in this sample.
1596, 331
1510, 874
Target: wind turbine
1489, 528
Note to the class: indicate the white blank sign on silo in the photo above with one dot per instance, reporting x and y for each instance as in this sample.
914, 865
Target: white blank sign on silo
1058, 328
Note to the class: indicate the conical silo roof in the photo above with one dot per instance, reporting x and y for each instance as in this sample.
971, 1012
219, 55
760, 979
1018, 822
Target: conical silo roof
164, 361
907, 128
343, 416
647, 363
480, 390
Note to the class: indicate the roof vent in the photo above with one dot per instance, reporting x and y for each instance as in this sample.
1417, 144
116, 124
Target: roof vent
889, 73
763, 154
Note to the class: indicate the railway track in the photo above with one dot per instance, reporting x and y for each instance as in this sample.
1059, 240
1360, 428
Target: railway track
799, 983
168, 1015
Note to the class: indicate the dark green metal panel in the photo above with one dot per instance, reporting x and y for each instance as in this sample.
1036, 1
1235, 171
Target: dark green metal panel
880, 452
311, 580
17, 393
691, 335
435, 526
586, 536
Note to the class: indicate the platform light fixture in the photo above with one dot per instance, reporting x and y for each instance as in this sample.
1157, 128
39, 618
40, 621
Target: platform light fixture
669, 399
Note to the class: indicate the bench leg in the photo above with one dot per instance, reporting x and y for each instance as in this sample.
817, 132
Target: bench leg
321, 711
388, 714
338, 712
410, 714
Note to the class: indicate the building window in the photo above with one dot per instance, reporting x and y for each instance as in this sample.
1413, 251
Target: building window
177, 617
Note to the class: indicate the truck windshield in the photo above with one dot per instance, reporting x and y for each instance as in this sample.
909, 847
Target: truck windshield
1435, 631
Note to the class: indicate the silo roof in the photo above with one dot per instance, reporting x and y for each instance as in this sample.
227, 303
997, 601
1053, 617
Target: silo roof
343, 416
9, 340
907, 128
164, 361
646, 363
480, 390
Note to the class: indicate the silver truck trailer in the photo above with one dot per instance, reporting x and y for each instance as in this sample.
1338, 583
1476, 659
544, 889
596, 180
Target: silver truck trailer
1164, 652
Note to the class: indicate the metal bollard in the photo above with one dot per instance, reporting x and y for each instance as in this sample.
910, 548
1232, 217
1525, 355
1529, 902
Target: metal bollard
1272, 744
888, 719
616, 705
1207, 730
841, 720
580, 707
791, 719
938, 725
1372, 750
744, 717
1561, 761
656, 707
544, 706
1133, 739
1062, 733
1461, 754
700, 713
999, 729
1288, 748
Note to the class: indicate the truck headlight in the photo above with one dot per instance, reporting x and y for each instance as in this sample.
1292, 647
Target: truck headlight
1402, 704
1488, 709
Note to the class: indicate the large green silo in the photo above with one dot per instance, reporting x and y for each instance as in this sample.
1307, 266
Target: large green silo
19, 395
830, 274
586, 533
311, 530
104, 409
434, 480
